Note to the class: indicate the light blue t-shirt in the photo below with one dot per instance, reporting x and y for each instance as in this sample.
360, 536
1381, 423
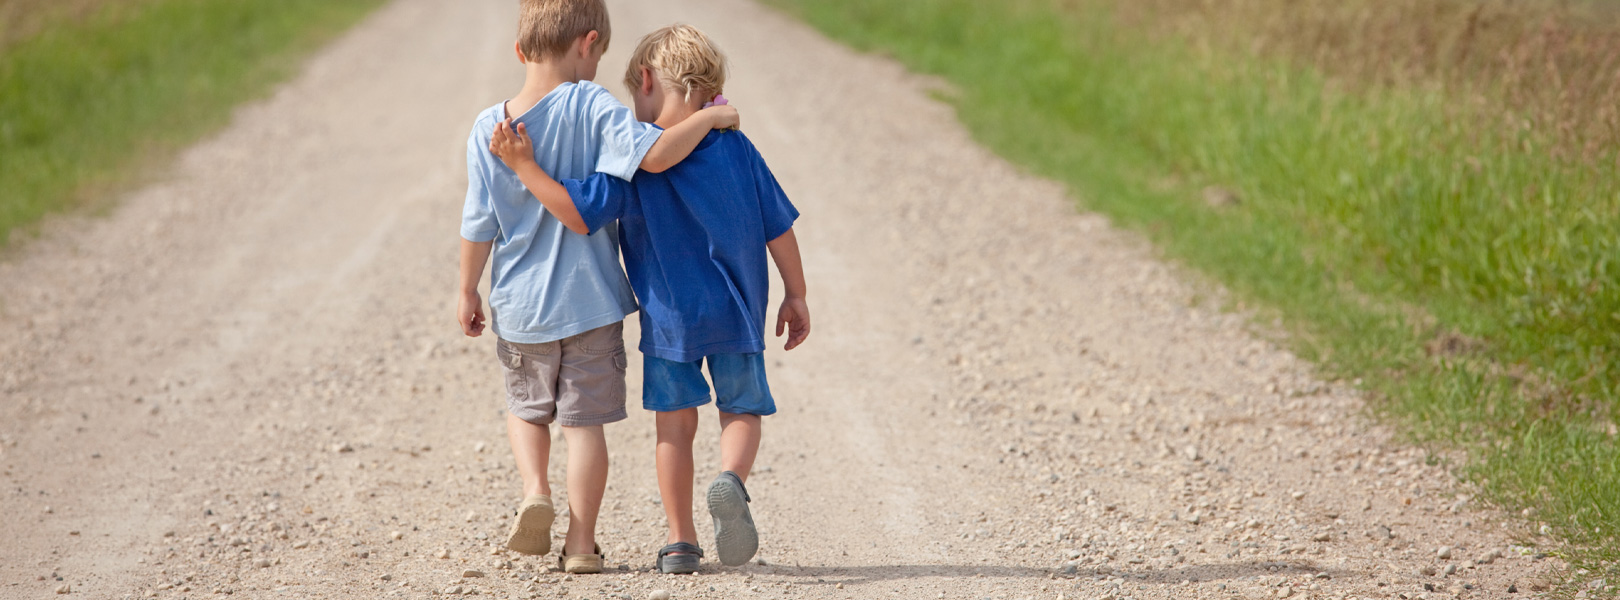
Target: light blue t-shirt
548, 283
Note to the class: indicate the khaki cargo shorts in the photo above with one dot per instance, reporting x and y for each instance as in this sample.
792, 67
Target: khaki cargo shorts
574, 382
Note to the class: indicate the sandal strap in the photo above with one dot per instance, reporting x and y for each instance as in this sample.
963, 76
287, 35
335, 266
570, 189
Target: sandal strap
682, 548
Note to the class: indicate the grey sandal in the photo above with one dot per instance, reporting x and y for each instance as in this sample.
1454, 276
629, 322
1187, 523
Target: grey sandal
679, 558
734, 532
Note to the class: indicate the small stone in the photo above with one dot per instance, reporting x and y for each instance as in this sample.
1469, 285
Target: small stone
471, 516
395, 535
470, 573
1513, 589
454, 590
839, 585
64, 589
479, 447
262, 563
1191, 452
1285, 591
49, 510
1219, 197
1298, 495
442, 553
1451, 569
300, 544
1485, 559
1444, 552
343, 447
1427, 571
1071, 554
1322, 537
658, 595
761, 561
386, 577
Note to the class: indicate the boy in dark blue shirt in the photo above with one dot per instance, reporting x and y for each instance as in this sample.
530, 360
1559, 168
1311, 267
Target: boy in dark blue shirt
694, 240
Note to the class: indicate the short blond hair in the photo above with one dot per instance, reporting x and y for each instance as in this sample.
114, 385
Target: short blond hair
546, 28
683, 58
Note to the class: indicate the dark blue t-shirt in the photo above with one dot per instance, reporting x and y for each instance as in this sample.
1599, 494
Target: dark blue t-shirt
694, 245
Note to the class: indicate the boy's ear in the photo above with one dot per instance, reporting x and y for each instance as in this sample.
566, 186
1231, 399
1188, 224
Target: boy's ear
587, 42
518, 47
646, 81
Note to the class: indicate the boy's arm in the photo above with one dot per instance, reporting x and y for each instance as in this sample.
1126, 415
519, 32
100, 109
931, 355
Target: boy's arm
516, 150
679, 141
795, 312
469, 306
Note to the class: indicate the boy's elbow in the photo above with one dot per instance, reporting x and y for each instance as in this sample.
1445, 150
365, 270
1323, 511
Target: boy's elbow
653, 165
578, 227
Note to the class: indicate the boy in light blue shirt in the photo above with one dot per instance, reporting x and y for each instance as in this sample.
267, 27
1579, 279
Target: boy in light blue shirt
558, 298
695, 241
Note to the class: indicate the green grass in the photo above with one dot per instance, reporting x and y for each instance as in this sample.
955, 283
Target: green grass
84, 104
1378, 224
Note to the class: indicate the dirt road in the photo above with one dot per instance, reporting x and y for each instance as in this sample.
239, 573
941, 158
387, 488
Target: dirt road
248, 378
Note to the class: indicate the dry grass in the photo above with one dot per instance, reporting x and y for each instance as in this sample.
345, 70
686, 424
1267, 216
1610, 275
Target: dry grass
1548, 70
21, 19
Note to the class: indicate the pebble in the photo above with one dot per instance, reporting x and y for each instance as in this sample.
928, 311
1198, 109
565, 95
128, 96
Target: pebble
395, 535
658, 595
1285, 591
262, 563
1191, 452
1322, 537
479, 447
1444, 552
454, 590
442, 554
343, 447
1298, 495
386, 577
470, 573
64, 589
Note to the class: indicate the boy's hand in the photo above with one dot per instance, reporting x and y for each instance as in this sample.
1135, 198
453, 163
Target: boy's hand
794, 316
470, 312
722, 116
511, 145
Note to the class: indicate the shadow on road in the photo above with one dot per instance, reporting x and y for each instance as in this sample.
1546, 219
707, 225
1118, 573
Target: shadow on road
832, 575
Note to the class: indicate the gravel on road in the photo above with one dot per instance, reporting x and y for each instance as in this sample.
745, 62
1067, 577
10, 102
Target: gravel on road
248, 380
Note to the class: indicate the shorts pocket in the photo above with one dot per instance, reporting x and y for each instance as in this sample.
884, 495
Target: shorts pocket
621, 361
509, 356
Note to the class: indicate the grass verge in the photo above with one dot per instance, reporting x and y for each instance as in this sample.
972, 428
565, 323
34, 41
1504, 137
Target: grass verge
1464, 273
84, 101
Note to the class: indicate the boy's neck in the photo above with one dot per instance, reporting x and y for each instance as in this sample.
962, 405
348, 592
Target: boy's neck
678, 109
539, 79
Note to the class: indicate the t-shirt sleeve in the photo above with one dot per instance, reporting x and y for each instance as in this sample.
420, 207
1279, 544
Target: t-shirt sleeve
776, 211
625, 141
599, 198
478, 222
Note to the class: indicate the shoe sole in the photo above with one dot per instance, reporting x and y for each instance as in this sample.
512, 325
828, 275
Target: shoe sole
678, 564
735, 537
531, 533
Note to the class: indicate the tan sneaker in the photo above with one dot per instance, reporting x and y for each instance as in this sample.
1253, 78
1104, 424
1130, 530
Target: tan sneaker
531, 530
581, 563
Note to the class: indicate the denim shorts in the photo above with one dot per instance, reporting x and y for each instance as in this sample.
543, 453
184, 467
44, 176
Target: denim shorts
739, 384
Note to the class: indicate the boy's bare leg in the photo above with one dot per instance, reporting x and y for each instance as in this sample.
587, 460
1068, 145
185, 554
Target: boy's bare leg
587, 482
675, 433
531, 450
739, 443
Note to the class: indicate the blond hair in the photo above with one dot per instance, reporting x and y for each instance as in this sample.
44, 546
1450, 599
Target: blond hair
546, 28
683, 58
